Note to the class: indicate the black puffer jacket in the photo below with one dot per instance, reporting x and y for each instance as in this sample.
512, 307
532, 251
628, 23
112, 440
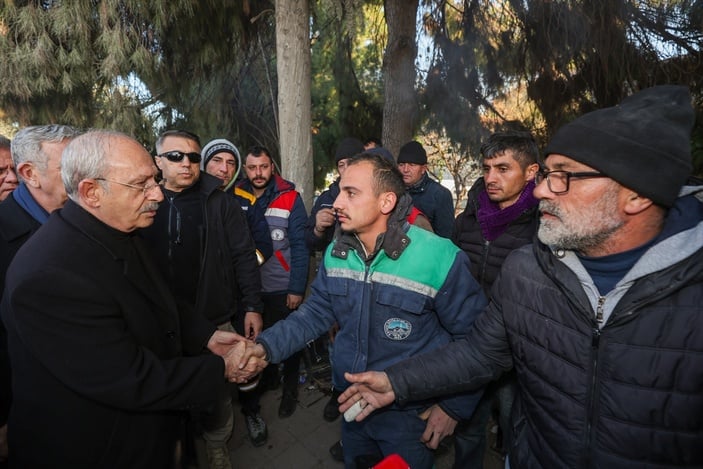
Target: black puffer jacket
628, 395
487, 256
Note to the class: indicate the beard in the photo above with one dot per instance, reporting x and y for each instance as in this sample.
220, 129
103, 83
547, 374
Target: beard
580, 231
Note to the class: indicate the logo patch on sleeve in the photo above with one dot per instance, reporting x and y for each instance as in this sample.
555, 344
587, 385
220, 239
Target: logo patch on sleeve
397, 329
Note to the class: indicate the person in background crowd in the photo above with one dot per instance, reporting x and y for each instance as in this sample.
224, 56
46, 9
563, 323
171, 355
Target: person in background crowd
320, 225
203, 248
37, 151
429, 196
283, 276
221, 159
500, 216
372, 142
601, 316
8, 176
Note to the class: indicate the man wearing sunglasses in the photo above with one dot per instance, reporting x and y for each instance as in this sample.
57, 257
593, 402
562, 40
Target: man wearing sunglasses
203, 247
601, 318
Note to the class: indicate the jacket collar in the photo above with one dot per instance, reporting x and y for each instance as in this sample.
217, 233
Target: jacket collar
393, 242
127, 248
420, 185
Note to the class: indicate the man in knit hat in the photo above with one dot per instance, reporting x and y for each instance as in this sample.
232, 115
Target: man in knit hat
320, 226
429, 196
221, 159
601, 318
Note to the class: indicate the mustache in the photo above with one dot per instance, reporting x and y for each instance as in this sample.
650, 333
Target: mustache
150, 207
545, 206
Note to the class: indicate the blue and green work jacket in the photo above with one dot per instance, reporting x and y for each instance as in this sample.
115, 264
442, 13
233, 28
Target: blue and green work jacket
415, 295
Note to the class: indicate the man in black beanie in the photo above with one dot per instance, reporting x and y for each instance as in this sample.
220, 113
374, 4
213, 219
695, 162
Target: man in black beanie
430, 197
601, 316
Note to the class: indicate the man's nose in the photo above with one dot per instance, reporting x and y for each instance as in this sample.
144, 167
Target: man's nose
11, 175
489, 175
542, 191
156, 195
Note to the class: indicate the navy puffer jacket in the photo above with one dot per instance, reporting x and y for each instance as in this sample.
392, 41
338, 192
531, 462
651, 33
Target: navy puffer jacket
627, 395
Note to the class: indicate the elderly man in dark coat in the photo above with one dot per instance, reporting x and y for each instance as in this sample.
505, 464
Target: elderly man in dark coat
102, 362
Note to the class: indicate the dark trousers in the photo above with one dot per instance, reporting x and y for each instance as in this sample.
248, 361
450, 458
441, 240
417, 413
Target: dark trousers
275, 309
470, 435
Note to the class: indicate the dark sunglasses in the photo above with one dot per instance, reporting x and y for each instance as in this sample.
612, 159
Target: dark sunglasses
176, 156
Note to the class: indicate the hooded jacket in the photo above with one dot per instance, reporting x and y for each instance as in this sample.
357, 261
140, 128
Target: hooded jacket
414, 295
255, 215
286, 271
226, 252
626, 395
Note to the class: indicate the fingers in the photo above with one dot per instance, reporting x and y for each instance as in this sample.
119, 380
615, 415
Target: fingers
324, 218
253, 325
226, 337
293, 301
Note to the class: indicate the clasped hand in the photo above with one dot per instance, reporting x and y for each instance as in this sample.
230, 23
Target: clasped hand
243, 358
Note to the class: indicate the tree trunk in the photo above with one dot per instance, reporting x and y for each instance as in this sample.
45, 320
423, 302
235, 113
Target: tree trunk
294, 103
400, 98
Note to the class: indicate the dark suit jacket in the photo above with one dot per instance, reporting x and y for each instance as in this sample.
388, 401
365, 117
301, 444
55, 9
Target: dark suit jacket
96, 346
16, 226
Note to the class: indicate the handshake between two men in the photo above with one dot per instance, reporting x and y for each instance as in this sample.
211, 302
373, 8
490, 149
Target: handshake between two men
243, 358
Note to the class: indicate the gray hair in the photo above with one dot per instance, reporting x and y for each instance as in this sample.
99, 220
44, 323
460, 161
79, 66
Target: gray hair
86, 157
175, 133
26, 146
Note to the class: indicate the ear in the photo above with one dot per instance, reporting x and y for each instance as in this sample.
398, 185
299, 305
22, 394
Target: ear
530, 172
388, 201
634, 203
157, 160
28, 172
90, 193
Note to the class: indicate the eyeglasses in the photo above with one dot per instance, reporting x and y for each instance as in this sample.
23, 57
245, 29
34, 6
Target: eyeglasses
558, 181
176, 156
144, 189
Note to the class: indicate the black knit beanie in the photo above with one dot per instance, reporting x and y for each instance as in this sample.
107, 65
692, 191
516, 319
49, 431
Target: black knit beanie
348, 147
644, 143
412, 152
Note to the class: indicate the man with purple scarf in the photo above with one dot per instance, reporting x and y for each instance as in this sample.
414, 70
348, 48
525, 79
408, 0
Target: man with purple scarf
500, 216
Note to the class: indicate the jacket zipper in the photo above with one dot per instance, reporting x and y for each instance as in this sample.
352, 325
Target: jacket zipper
595, 346
484, 261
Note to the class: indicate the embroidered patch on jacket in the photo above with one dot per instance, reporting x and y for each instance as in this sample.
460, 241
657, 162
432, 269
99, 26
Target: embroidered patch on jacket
277, 234
397, 329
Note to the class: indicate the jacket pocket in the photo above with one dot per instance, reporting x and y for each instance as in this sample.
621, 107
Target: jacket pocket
401, 316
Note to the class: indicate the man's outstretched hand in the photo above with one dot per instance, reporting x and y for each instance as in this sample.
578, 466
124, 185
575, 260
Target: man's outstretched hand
371, 389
